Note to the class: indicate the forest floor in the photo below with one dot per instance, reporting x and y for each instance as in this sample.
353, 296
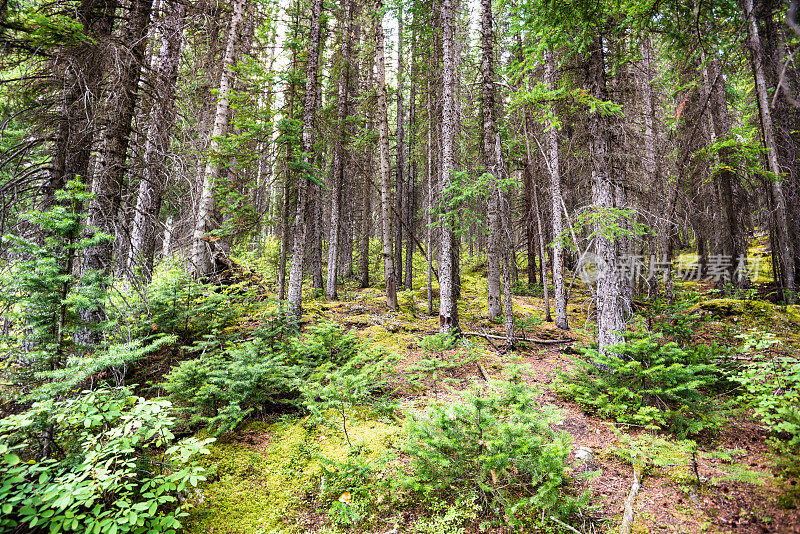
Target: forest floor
262, 477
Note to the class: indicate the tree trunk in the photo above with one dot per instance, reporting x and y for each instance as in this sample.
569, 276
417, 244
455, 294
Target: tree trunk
493, 165
339, 154
530, 229
202, 262
559, 290
785, 249
288, 161
610, 323
367, 190
400, 184
535, 194
302, 217
412, 163
431, 201
80, 70
156, 148
107, 183
448, 264
383, 145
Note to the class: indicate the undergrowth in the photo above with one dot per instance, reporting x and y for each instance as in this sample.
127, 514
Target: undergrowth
495, 447
219, 389
645, 383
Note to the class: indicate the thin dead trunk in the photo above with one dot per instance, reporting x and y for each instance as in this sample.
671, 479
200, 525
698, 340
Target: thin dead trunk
162, 118
202, 262
383, 145
448, 264
302, 217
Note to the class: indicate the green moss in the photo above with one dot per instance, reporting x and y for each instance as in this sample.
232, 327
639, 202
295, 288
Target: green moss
314, 310
793, 313
730, 307
265, 488
393, 341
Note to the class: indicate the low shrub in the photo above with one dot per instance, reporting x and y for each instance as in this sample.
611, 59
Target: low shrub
439, 342
677, 320
643, 382
497, 447
219, 389
103, 461
348, 486
771, 386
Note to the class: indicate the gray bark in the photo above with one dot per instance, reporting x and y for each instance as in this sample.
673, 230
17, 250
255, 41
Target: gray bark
785, 249
161, 120
303, 215
448, 264
553, 164
340, 154
499, 235
107, 183
610, 323
383, 146
202, 261
79, 69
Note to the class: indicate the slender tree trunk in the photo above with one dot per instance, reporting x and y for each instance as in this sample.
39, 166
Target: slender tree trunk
340, 154
288, 160
156, 148
315, 206
559, 291
650, 163
302, 217
726, 224
610, 323
494, 166
166, 242
530, 231
107, 183
366, 213
284, 238
316, 243
383, 145
545, 290
785, 250
202, 258
448, 264
431, 201
400, 184
410, 152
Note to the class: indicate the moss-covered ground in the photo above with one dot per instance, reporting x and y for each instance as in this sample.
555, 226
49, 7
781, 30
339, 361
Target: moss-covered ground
268, 476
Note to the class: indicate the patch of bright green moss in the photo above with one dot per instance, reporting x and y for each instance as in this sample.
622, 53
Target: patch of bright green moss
729, 307
264, 488
793, 313
396, 342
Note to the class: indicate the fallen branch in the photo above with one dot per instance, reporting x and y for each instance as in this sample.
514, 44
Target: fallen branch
566, 526
482, 371
490, 337
627, 517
